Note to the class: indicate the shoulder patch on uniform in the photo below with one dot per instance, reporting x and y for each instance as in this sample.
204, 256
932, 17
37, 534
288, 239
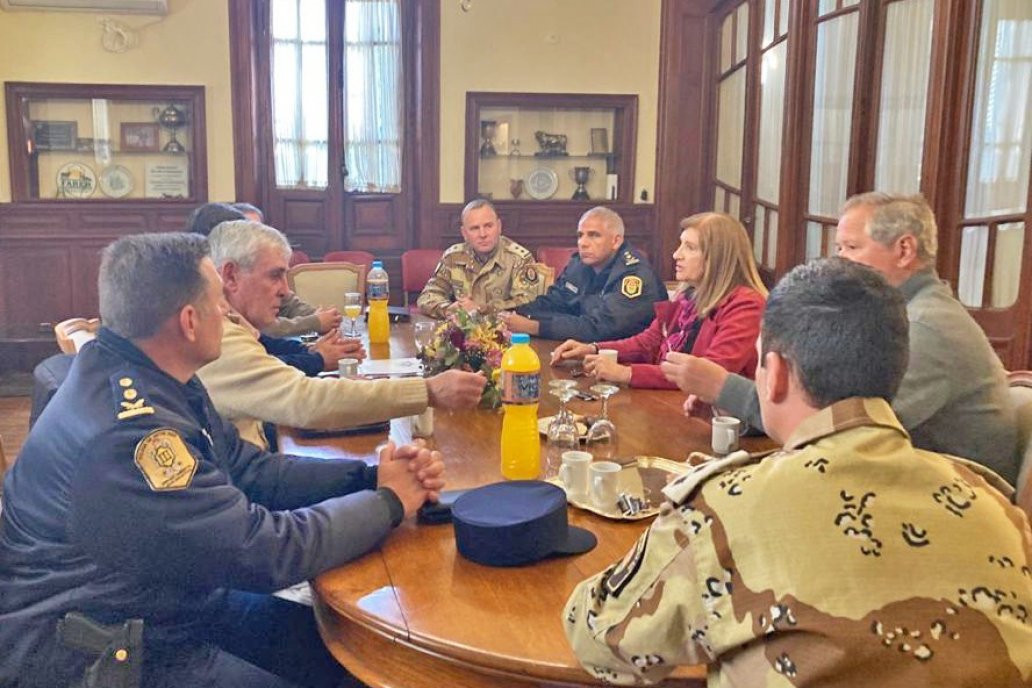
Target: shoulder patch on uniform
519, 249
165, 461
530, 275
130, 403
454, 248
680, 489
625, 571
631, 286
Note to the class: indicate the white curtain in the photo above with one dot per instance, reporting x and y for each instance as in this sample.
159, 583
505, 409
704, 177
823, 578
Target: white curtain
299, 98
904, 96
373, 95
974, 242
730, 127
772, 108
1001, 132
832, 113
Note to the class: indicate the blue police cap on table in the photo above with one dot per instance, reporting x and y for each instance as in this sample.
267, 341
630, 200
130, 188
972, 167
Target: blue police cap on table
516, 522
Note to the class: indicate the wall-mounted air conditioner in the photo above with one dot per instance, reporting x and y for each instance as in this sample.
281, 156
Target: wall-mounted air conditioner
110, 6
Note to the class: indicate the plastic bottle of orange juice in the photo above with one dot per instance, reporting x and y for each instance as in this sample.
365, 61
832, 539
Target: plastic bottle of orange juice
378, 291
521, 384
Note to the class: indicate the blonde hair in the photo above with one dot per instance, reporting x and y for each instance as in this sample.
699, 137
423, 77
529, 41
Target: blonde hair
727, 259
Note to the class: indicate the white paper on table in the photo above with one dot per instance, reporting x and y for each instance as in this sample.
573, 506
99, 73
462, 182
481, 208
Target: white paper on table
391, 367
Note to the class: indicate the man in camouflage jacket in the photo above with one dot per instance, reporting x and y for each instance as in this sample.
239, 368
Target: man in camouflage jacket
849, 557
486, 272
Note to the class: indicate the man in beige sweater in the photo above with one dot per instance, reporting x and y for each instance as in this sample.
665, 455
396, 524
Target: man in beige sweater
249, 386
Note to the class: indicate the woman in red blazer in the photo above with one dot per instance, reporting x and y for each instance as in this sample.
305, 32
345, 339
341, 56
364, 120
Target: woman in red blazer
715, 315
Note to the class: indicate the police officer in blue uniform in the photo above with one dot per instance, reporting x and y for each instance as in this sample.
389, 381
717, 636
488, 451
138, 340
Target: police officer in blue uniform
606, 292
132, 498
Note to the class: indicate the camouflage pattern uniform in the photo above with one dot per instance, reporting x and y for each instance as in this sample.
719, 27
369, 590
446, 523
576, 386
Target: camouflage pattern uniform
849, 558
505, 280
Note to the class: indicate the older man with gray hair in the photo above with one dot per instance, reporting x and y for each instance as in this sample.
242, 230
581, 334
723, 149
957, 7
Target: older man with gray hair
249, 386
606, 291
953, 398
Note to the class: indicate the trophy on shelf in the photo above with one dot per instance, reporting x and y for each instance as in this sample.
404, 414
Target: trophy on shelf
551, 144
581, 175
171, 118
488, 127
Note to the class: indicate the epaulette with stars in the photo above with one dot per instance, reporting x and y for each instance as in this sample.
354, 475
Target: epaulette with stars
629, 259
130, 403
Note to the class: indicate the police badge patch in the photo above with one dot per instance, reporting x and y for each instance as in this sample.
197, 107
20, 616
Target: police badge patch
165, 461
530, 275
631, 286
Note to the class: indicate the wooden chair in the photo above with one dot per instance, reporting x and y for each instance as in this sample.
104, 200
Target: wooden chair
324, 284
298, 256
364, 258
73, 333
1020, 382
417, 265
556, 256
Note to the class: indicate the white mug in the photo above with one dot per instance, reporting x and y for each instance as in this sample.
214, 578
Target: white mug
725, 434
574, 473
611, 354
347, 367
604, 475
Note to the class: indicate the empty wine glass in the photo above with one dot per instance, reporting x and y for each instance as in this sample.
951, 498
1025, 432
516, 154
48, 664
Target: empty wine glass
562, 434
423, 332
353, 309
557, 386
601, 439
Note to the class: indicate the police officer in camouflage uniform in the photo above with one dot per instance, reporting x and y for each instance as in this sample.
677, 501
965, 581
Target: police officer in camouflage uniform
132, 498
606, 291
848, 558
486, 272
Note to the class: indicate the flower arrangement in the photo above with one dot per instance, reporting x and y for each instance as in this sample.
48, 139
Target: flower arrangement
472, 342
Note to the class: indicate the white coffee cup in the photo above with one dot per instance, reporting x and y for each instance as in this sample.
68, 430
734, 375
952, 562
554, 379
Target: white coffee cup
725, 434
611, 354
347, 367
573, 473
604, 475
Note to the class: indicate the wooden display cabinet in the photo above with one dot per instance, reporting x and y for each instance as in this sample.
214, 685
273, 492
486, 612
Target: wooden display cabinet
89, 142
550, 147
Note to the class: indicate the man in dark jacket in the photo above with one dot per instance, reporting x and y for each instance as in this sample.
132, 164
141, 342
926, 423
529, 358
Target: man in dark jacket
132, 498
606, 291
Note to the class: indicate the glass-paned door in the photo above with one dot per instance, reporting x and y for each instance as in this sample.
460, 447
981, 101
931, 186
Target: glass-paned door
833, 92
1000, 156
731, 110
770, 127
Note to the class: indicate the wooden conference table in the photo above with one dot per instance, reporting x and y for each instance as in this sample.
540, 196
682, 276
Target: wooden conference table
415, 613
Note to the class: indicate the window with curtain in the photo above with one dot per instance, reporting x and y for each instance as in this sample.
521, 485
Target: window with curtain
372, 94
906, 64
773, 63
731, 110
1000, 156
833, 94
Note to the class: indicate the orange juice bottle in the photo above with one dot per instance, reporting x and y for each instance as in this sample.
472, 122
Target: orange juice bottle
377, 292
521, 384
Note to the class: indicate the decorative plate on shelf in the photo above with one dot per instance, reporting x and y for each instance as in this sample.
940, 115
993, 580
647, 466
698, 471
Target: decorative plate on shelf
542, 183
116, 181
76, 180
